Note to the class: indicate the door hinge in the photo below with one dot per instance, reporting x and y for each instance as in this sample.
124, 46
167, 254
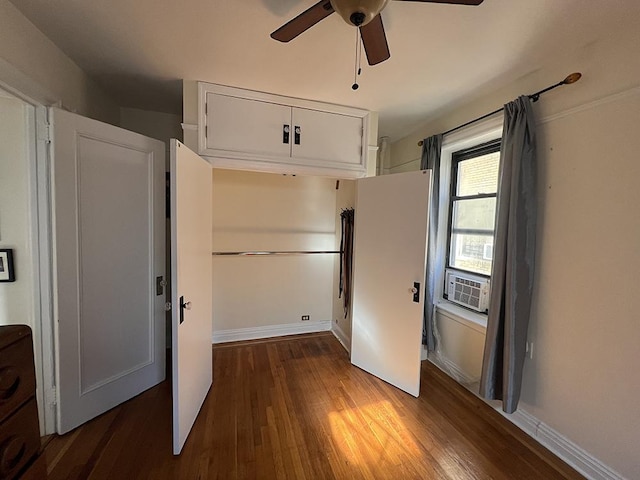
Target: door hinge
54, 396
44, 132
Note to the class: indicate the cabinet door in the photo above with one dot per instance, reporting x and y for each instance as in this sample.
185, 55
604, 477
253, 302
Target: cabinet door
329, 139
250, 126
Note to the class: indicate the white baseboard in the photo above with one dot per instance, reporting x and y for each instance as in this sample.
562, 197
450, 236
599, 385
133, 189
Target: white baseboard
582, 461
342, 337
424, 353
452, 369
268, 331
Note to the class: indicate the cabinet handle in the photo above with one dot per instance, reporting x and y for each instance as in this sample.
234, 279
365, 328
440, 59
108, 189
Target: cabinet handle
11, 452
285, 134
9, 382
296, 135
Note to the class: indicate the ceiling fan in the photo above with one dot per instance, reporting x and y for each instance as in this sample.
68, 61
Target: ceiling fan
363, 14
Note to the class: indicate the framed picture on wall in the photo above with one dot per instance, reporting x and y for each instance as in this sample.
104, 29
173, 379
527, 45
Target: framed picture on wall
7, 273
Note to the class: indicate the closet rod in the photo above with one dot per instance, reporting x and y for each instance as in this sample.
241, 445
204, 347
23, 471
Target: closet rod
572, 78
287, 252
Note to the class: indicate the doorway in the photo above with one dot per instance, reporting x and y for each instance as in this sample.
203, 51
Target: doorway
23, 216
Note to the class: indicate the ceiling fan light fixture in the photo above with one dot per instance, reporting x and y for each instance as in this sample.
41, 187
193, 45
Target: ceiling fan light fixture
358, 12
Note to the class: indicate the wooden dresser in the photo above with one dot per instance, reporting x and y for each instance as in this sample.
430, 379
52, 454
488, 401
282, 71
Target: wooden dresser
19, 428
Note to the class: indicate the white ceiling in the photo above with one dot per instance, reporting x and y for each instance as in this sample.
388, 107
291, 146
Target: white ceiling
140, 50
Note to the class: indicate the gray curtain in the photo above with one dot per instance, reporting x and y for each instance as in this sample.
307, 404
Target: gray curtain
430, 160
513, 258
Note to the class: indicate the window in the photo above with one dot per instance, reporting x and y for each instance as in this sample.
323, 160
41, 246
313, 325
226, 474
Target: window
469, 164
472, 208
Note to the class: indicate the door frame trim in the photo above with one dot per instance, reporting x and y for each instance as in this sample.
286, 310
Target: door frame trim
40, 240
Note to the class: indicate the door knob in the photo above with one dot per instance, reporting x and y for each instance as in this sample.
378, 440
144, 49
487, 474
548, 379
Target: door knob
183, 306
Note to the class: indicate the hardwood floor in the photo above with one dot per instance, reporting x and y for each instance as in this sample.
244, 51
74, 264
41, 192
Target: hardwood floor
295, 408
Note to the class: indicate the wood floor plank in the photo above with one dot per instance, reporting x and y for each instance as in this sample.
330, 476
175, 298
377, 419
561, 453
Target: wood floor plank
295, 408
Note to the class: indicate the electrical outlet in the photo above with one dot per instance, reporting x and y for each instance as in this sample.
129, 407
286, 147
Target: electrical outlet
304, 317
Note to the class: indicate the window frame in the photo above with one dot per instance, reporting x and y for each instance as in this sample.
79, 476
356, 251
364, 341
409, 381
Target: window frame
472, 135
491, 146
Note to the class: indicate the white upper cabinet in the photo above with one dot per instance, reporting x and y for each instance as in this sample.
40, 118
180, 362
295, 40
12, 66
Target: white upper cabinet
247, 130
240, 125
327, 137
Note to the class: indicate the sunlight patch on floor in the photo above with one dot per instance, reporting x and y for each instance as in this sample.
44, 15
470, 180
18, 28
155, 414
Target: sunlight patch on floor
384, 439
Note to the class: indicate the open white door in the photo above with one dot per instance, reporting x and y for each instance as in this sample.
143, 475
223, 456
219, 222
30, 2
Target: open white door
108, 195
191, 287
389, 260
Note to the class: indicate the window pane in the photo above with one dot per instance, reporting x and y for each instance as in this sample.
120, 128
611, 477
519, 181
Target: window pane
477, 214
478, 175
471, 252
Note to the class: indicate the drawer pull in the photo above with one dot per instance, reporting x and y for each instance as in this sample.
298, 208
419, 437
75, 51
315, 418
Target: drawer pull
11, 452
9, 382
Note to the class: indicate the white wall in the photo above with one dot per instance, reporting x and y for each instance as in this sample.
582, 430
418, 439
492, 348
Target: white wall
269, 212
15, 297
159, 125
461, 347
30, 62
582, 381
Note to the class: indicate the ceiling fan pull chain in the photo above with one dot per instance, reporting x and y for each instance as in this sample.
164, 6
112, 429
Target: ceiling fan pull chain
359, 52
357, 69
356, 66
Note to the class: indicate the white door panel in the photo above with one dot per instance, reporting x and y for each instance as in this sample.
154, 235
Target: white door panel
108, 197
334, 139
389, 256
191, 284
242, 125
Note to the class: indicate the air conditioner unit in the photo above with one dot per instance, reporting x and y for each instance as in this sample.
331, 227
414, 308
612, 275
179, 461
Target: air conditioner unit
468, 290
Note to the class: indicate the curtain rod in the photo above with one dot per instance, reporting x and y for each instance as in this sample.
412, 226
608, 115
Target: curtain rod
289, 252
572, 78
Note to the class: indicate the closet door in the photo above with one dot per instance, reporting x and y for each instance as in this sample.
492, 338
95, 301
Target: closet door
390, 242
191, 287
238, 126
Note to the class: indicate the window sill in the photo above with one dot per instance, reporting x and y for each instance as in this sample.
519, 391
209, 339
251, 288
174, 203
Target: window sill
474, 320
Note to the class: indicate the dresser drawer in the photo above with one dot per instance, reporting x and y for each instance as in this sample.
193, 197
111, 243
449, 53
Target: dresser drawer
37, 470
17, 373
19, 440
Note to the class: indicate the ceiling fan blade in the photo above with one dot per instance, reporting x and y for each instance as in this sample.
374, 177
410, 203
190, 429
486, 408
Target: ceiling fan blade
375, 41
451, 2
303, 22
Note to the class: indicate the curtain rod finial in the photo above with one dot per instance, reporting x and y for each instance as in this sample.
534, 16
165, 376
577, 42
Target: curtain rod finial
573, 78
420, 143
